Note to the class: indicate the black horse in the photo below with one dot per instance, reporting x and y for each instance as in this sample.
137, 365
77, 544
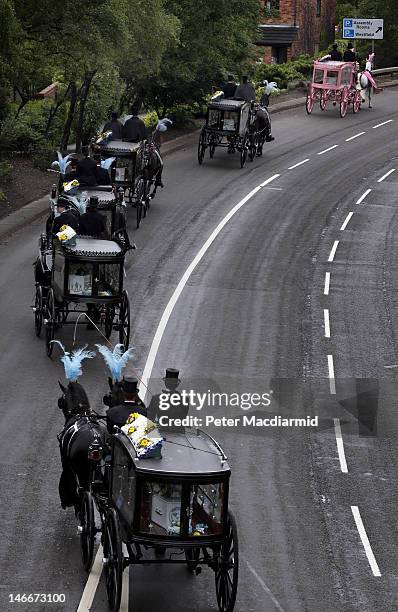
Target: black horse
80, 431
260, 127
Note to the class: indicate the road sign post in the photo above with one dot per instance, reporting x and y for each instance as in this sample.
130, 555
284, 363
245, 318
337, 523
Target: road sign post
367, 29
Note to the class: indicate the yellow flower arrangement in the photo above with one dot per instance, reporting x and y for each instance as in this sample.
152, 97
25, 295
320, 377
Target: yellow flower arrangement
144, 442
132, 417
132, 429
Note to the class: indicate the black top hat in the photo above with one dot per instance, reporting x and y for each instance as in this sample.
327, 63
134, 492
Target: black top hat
349, 46
172, 375
129, 384
93, 202
64, 202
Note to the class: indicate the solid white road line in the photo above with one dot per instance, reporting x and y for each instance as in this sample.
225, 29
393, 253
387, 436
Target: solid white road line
384, 123
365, 541
355, 136
333, 251
348, 217
327, 322
266, 589
299, 164
178, 290
332, 382
327, 283
326, 150
92, 583
385, 175
269, 180
340, 446
363, 196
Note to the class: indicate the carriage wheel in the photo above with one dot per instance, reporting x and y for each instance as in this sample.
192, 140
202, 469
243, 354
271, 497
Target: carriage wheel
243, 153
124, 320
87, 530
227, 572
343, 104
323, 101
109, 316
201, 146
356, 104
50, 325
253, 143
140, 193
309, 103
113, 561
192, 557
38, 310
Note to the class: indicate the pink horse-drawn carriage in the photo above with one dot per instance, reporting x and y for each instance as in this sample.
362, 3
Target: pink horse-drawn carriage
335, 82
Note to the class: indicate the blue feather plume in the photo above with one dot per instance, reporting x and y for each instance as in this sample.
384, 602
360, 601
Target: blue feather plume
73, 361
80, 201
107, 163
62, 162
116, 360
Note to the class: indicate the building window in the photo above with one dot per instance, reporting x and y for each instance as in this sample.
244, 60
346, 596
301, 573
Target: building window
271, 8
318, 7
279, 55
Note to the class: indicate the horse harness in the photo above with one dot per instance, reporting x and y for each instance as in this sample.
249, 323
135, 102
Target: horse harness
67, 436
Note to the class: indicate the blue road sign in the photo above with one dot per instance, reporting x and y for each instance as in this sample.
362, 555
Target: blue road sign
349, 33
347, 23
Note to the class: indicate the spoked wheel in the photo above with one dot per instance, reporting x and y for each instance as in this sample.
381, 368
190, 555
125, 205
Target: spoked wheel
356, 104
343, 104
50, 325
140, 199
227, 573
309, 103
192, 557
253, 144
124, 320
38, 310
109, 316
323, 101
243, 153
113, 561
201, 146
87, 530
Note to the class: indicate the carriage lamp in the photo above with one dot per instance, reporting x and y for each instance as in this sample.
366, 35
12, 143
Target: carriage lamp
95, 451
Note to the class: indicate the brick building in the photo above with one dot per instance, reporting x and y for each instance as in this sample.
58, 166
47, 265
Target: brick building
292, 27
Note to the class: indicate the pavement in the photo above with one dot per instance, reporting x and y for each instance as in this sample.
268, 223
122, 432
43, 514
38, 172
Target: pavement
36, 209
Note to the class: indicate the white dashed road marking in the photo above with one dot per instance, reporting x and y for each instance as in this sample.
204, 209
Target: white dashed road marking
355, 136
363, 196
340, 446
385, 175
333, 251
327, 283
384, 123
348, 217
365, 541
299, 164
326, 150
332, 382
327, 322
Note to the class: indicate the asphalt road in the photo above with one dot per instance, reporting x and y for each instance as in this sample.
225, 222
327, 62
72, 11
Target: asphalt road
250, 318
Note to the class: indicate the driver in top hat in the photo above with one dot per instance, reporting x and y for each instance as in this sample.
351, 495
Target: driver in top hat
92, 223
178, 410
118, 415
